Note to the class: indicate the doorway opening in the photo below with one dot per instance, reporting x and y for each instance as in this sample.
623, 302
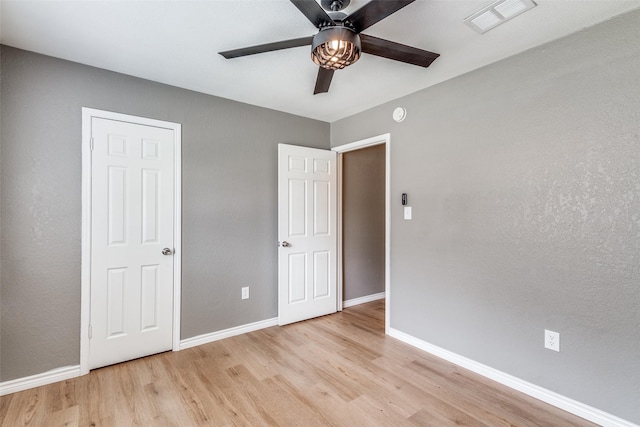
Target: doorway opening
352, 206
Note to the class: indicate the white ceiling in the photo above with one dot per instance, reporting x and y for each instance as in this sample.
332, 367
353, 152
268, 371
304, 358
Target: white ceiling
176, 42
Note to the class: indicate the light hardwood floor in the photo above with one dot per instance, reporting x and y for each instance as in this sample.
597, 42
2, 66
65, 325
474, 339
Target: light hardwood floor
338, 370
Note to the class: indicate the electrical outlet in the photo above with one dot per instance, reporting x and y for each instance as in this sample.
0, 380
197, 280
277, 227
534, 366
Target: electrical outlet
551, 340
245, 292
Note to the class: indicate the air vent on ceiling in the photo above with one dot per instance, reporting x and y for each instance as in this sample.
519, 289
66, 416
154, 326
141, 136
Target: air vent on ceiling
497, 13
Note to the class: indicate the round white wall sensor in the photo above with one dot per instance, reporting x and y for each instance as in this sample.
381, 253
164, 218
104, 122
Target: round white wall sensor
399, 114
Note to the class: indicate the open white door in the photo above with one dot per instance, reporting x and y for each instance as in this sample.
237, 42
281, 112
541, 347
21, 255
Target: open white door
307, 200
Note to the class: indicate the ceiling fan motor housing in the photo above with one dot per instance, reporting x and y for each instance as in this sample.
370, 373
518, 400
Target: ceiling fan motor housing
335, 47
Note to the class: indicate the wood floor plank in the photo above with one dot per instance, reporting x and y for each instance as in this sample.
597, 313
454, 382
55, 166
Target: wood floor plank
4, 406
67, 417
337, 370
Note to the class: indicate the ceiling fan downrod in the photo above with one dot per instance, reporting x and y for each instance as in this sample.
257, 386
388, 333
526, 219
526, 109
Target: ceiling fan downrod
334, 5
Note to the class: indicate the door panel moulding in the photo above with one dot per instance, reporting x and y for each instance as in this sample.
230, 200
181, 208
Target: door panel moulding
307, 199
85, 319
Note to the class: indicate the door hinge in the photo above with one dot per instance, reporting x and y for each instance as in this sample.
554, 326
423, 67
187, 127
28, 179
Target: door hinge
91, 146
90, 331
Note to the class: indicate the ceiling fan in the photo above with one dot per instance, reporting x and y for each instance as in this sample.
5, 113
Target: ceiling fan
339, 42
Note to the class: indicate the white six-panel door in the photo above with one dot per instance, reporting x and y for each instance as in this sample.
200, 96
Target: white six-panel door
132, 214
307, 215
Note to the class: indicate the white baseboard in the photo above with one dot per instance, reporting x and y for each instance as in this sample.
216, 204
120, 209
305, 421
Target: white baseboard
577, 408
363, 300
49, 377
67, 372
226, 333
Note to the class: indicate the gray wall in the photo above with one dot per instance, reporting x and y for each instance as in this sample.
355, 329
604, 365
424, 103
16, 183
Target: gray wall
524, 178
229, 154
363, 211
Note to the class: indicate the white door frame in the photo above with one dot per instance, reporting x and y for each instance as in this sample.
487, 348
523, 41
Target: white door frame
364, 143
85, 286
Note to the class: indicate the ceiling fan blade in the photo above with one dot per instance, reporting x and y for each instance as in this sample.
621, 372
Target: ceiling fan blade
268, 47
314, 12
374, 11
397, 51
323, 81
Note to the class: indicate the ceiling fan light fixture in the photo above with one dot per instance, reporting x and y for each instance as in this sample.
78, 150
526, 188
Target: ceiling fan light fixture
336, 47
339, 42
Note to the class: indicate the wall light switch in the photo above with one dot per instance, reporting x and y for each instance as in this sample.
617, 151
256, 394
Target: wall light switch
245, 292
407, 212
